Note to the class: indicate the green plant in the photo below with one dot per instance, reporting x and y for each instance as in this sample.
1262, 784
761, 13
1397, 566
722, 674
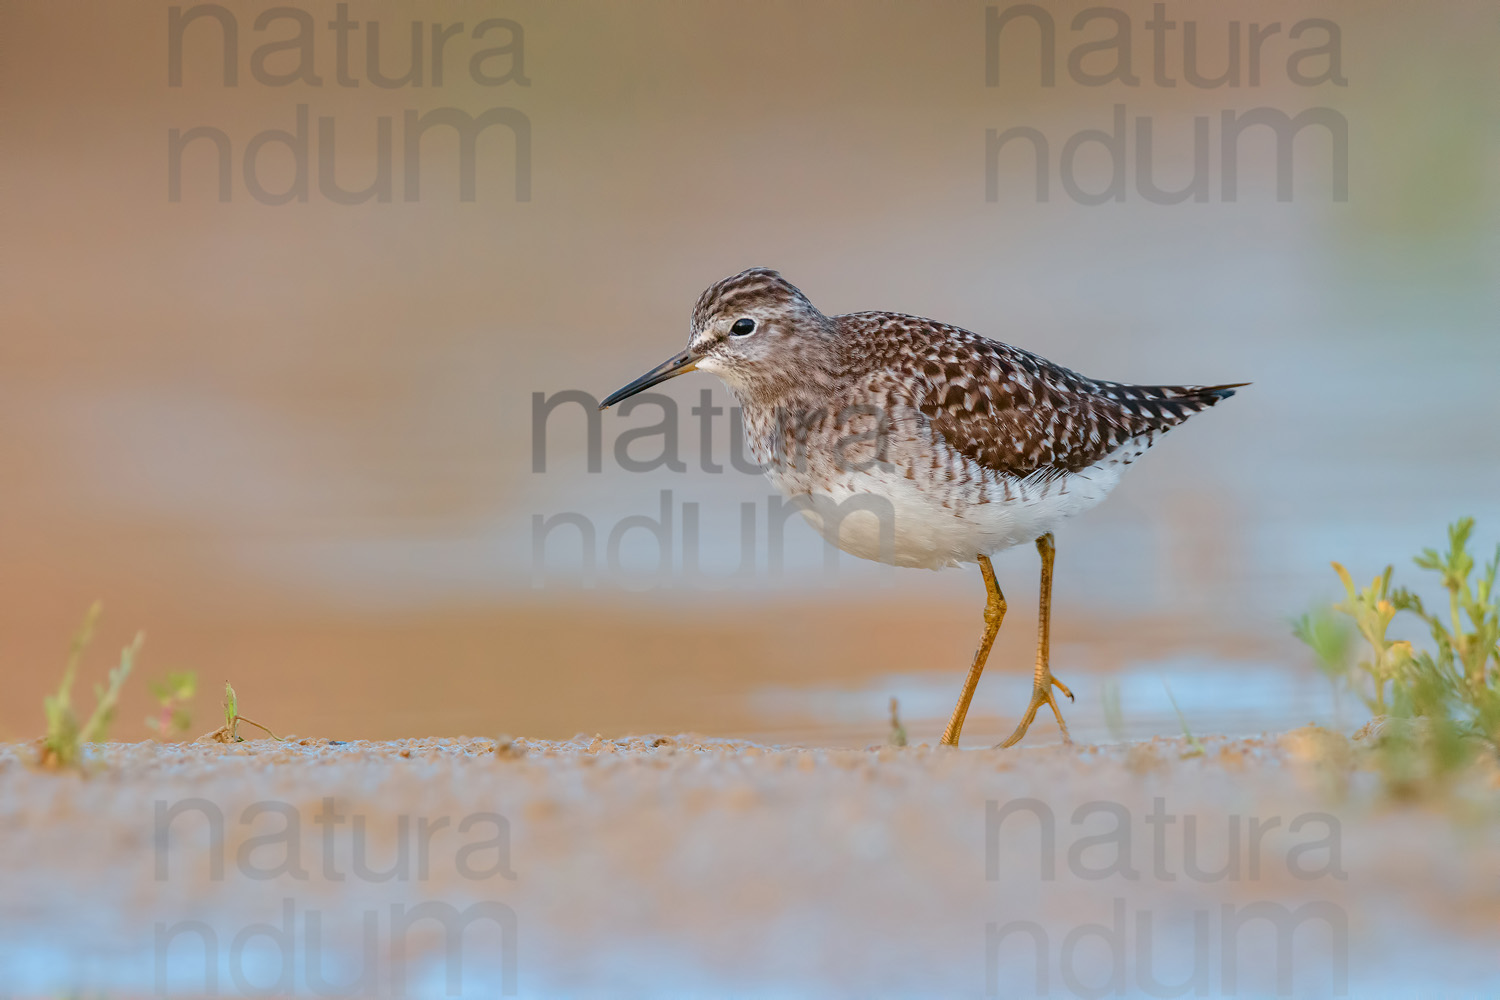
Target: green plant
63, 744
1372, 611
1331, 639
172, 693
1195, 749
897, 737
1466, 664
1114, 716
229, 732
1432, 705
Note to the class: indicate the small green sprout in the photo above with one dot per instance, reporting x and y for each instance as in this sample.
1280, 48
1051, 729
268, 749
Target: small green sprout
1114, 717
1330, 637
229, 732
63, 744
897, 737
1195, 749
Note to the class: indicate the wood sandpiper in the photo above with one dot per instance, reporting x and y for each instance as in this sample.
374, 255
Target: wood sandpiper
921, 444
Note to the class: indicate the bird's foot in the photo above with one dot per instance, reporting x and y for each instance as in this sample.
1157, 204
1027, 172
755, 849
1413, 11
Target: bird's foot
1041, 694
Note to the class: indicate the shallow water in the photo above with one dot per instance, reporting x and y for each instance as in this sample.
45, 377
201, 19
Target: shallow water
1225, 697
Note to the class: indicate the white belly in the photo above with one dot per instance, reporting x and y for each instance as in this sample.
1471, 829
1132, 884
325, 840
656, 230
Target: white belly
882, 515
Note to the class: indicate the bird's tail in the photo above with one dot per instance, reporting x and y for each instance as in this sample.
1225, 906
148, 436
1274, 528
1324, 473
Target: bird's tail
1216, 392
1165, 406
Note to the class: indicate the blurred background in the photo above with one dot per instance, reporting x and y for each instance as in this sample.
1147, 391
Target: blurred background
298, 443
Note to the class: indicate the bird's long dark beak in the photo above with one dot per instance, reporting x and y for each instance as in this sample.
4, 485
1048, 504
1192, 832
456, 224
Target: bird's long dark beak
676, 365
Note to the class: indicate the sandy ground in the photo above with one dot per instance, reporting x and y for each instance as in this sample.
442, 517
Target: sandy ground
683, 866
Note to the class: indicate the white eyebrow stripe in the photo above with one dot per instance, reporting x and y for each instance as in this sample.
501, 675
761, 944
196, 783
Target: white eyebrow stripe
704, 342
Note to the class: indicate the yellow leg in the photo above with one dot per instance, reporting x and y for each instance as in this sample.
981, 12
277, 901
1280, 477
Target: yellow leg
1042, 680
994, 614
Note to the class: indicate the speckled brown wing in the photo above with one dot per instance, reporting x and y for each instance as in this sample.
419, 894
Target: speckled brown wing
1019, 414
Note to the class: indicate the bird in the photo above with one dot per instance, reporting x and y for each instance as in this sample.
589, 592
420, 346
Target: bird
921, 444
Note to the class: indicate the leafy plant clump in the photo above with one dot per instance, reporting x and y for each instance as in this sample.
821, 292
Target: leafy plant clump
1433, 706
63, 744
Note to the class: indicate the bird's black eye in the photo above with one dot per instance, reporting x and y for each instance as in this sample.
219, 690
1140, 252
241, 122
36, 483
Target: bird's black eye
743, 327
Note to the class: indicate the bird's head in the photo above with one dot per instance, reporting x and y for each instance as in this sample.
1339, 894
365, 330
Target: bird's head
755, 330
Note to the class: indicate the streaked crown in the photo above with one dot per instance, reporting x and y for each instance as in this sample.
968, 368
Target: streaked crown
757, 289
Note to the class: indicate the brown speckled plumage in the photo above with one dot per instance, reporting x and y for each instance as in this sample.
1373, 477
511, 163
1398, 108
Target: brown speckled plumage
1012, 411
972, 444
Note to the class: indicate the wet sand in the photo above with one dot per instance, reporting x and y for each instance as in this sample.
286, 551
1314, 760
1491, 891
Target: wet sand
681, 865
